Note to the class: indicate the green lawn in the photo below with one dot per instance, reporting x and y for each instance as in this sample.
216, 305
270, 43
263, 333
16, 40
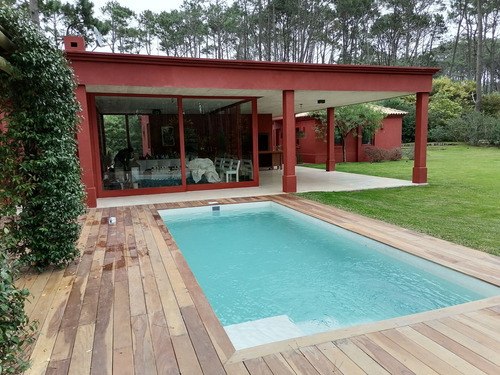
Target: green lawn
461, 204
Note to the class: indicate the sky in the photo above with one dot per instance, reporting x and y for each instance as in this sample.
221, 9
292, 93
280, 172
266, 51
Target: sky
138, 6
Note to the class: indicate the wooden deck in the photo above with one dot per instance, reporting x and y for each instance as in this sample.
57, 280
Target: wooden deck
131, 305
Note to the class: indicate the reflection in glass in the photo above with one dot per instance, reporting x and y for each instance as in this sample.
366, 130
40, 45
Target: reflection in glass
217, 140
139, 142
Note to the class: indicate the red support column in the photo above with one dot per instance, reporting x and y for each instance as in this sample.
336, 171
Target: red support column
289, 150
85, 148
255, 141
419, 166
330, 139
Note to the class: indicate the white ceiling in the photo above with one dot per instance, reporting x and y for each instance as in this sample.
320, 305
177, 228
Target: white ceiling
269, 101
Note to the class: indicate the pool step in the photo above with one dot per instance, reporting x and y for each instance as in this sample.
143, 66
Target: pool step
262, 331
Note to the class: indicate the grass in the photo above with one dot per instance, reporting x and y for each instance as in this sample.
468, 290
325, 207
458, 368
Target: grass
461, 204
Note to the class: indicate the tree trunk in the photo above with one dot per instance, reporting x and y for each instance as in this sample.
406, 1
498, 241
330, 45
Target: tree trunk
479, 60
344, 151
35, 12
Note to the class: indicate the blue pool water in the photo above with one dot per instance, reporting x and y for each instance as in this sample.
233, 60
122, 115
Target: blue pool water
262, 260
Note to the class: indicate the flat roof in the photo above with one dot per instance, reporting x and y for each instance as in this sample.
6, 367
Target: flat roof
316, 86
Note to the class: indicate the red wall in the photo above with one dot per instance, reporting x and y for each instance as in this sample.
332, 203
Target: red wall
266, 127
390, 135
313, 150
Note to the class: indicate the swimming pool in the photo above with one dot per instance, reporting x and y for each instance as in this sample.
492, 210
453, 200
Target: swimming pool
272, 273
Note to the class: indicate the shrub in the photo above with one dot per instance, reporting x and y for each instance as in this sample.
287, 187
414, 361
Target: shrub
395, 154
14, 327
376, 154
409, 153
476, 128
439, 134
491, 104
40, 167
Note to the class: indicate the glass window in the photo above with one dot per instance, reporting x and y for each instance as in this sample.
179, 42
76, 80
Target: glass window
217, 140
366, 139
139, 142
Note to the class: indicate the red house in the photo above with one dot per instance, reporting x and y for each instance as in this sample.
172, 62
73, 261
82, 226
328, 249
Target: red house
154, 124
311, 149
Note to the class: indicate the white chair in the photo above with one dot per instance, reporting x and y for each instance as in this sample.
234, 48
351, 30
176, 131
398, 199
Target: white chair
247, 168
218, 164
234, 169
225, 166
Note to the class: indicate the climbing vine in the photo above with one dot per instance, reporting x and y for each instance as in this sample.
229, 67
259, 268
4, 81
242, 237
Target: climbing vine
41, 194
38, 148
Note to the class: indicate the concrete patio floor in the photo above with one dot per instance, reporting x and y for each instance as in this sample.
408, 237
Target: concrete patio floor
308, 179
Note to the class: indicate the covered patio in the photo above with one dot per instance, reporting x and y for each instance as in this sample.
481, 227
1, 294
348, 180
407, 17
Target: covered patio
180, 120
308, 179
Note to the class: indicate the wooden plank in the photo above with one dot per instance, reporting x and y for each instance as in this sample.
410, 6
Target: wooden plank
123, 356
481, 344
49, 330
318, 360
186, 356
278, 365
462, 351
299, 363
43, 306
82, 351
123, 361
37, 290
136, 292
166, 363
172, 312
236, 369
207, 356
144, 360
407, 359
420, 352
442, 352
496, 310
68, 328
91, 296
341, 361
382, 357
102, 358
257, 366
63, 346
58, 367
478, 322
358, 356
181, 293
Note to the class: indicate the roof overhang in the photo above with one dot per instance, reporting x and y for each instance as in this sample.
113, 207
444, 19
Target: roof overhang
316, 86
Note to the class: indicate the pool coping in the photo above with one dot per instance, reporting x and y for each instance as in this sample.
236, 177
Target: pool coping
456, 257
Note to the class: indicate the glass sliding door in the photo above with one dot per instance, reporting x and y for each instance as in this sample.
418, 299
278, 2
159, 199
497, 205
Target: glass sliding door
139, 142
217, 140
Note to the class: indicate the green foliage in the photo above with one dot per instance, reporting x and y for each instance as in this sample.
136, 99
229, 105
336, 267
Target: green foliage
491, 104
116, 134
15, 330
448, 101
38, 149
348, 120
476, 128
460, 92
